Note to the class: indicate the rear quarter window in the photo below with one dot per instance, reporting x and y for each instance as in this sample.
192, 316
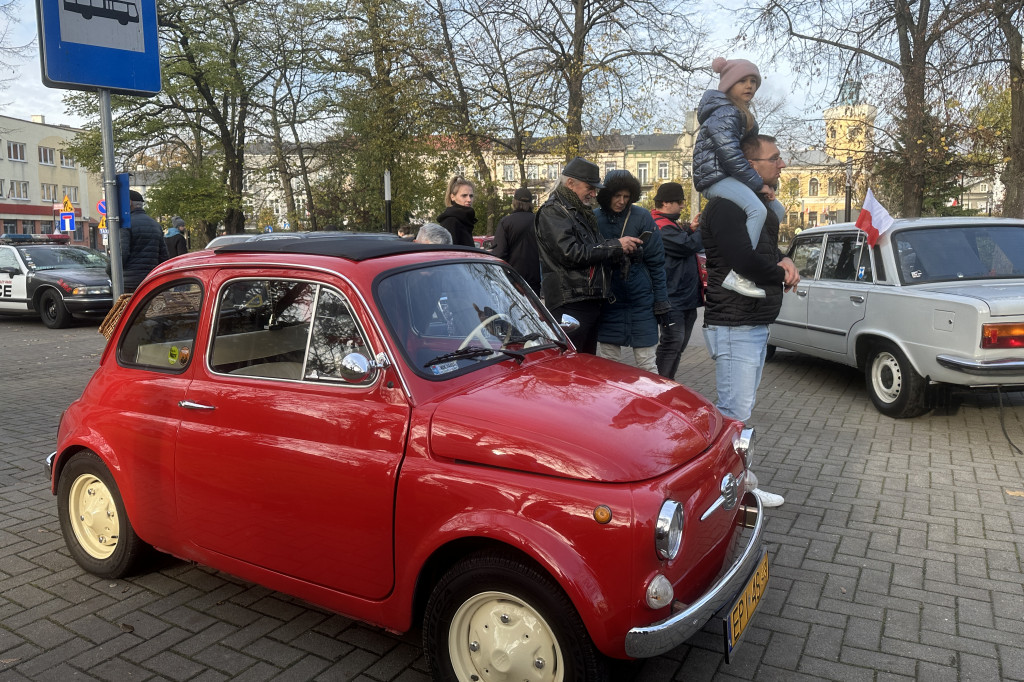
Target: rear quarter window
162, 331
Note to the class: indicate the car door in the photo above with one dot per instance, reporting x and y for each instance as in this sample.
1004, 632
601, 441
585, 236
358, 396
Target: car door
837, 298
13, 295
789, 328
280, 463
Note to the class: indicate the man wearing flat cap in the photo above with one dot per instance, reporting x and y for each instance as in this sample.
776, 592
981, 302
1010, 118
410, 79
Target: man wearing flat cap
142, 244
574, 254
685, 292
515, 241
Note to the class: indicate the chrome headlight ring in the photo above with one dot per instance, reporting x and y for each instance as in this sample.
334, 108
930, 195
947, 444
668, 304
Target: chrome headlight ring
668, 534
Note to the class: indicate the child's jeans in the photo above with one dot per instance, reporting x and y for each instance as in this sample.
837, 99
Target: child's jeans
741, 195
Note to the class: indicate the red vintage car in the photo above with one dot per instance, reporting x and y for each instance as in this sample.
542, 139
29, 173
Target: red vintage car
404, 434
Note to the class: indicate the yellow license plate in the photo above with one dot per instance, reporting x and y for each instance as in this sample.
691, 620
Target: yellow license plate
738, 616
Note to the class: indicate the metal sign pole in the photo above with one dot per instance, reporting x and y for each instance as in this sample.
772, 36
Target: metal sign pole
110, 194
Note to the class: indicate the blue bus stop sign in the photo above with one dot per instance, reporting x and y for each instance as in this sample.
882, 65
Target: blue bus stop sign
99, 44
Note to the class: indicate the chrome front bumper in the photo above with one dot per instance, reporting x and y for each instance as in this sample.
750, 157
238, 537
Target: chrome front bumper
49, 465
656, 639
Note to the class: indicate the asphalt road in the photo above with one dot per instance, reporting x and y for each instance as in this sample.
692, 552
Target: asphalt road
897, 555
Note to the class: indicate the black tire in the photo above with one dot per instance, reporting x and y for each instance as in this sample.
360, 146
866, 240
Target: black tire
100, 537
895, 387
466, 597
52, 311
769, 353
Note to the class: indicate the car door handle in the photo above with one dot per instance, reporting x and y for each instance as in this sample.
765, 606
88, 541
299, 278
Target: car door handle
189, 405
801, 294
857, 299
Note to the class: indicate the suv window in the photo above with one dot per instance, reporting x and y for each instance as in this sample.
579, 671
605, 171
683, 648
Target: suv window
283, 329
162, 333
846, 259
805, 253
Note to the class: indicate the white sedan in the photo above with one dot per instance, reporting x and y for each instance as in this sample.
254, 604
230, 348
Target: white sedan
935, 301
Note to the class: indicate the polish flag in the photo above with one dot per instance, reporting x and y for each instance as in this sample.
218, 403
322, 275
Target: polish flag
873, 219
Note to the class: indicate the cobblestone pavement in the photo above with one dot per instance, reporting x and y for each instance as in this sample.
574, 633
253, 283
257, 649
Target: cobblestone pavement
897, 555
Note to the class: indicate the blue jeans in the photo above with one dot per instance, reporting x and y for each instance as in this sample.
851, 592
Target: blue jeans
738, 353
741, 195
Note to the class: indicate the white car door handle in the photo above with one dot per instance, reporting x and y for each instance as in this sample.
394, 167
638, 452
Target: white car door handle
189, 405
801, 293
857, 299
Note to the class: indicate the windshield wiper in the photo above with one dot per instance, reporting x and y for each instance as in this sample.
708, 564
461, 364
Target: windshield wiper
474, 352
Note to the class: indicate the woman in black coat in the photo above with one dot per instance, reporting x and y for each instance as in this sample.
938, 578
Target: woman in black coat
515, 240
176, 244
459, 218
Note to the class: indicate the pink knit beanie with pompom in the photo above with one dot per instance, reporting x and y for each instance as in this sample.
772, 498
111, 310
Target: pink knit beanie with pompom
733, 71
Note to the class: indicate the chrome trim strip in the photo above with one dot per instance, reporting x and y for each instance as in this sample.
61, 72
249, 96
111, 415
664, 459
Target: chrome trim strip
656, 639
1003, 366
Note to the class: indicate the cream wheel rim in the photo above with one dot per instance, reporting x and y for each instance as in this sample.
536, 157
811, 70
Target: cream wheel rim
93, 516
497, 636
886, 377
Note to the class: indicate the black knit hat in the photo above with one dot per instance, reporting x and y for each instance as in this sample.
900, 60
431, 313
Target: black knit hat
668, 192
614, 182
135, 196
584, 171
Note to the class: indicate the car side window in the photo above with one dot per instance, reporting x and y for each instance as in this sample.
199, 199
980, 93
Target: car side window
162, 331
8, 259
846, 259
262, 328
336, 334
805, 254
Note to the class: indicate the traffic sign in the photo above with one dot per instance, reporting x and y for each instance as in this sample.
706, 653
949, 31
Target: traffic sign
67, 222
103, 225
104, 44
66, 206
101, 207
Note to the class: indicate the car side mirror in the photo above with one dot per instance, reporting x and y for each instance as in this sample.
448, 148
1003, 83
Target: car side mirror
354, 368
569, 323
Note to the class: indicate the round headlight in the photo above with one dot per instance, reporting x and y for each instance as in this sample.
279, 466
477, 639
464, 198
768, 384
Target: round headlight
668, 535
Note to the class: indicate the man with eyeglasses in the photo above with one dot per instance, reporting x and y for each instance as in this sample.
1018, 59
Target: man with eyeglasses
573, 253
736, 326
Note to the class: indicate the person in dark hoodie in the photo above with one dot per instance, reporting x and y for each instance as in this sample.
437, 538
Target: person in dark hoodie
639, 299
142, 244
459, 218
515, 241
175, 239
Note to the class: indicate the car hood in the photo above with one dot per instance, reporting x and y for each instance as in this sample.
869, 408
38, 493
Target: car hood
579, 417
74, 276
1003, 297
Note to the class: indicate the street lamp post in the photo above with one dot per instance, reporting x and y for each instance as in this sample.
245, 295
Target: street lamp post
849, 187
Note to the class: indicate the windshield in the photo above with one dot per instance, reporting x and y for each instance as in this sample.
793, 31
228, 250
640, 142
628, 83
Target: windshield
942, 254
455, 317
52, 257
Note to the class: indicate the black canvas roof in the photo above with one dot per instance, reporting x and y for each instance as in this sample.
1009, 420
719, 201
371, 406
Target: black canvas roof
352, 247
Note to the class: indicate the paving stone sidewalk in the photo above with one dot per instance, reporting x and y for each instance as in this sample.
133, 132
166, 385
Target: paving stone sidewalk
897, 555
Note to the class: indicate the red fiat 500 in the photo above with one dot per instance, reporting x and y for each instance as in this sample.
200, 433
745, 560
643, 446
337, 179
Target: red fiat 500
402, 433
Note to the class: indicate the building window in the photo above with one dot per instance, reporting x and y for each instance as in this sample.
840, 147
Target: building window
609, 166
46, 156
28, 226
49, 192
10, 227
553, 171
794, 186
508, 172
531, 171
641, 172
71, 192
812, 187
812, 218
46, 226
18, 190
16, 151
663, 170
833, 187
66, 161
794, 219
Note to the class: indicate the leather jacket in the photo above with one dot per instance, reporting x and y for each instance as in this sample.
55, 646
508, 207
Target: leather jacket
572, 253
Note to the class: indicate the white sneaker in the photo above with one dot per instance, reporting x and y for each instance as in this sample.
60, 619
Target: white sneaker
769, 500
741, 285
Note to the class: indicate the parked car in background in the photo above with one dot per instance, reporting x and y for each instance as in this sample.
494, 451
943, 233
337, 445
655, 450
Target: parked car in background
226, 239
402, 433
484, 241
937, 301
49, 276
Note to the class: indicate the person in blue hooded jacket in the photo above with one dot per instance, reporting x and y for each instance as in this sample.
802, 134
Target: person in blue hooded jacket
639, 296
720, 171
176, 244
